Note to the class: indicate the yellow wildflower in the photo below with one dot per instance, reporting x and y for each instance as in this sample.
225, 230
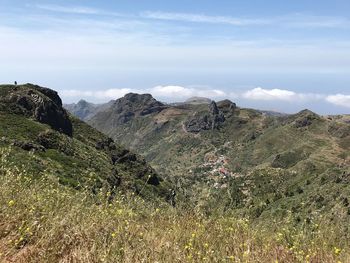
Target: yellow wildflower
337, 251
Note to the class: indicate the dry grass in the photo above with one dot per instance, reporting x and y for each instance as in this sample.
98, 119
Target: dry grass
42, 221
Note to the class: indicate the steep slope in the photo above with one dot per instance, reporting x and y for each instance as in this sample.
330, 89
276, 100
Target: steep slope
240, 158
46, 140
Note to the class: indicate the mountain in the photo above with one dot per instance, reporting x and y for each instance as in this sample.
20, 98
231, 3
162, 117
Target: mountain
85, 110
45, 139
256, 162
249, 187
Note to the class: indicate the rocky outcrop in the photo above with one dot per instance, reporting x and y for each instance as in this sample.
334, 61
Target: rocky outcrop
128, 107
42, 104
209, 121
28, 146
305, 118
227, 106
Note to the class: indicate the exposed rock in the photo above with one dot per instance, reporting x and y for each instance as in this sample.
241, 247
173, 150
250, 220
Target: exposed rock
153, 180
128, 107
198, 124
209, 121
226, 106
305, 118
126, 157
42, 104
28, 146
106, 144
54, 140
213, 108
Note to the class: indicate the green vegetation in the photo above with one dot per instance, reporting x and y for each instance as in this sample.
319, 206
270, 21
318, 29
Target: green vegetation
258, 165
87, 158
254, 188
44, 221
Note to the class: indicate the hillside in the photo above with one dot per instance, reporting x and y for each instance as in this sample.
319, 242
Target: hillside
44, 139
68, 193
223, 156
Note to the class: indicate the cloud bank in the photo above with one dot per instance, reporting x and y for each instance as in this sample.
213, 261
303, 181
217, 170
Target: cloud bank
164, 92
174, 93
339, 100
279, 95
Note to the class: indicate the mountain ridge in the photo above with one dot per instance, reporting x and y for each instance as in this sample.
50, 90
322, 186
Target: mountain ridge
33, 121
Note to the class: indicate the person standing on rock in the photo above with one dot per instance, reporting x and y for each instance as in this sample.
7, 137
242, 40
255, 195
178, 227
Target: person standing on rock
15, 83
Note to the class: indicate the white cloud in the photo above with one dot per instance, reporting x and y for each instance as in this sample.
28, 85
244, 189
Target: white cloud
163, 92
70, 9
279, 95
173, 93
184, 92
200, 18
290, 20
339, 100
99, 95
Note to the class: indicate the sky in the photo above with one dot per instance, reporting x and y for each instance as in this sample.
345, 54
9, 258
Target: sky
268, 54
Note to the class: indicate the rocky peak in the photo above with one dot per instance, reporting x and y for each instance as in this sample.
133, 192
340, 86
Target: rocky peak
133, 104
304, 118
209, 121
42, 104
213, 108
137, 101
83, 103
226, 106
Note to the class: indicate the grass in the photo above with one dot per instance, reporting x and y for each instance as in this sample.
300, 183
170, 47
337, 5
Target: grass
44, 221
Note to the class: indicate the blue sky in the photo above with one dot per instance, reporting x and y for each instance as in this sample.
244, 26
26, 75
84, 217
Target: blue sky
275, 55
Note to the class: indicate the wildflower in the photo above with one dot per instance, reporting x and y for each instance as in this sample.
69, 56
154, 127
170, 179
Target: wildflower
113, 235
120, 211
11, 203
337, 251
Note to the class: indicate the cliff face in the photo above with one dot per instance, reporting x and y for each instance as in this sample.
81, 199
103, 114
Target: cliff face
41, 104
